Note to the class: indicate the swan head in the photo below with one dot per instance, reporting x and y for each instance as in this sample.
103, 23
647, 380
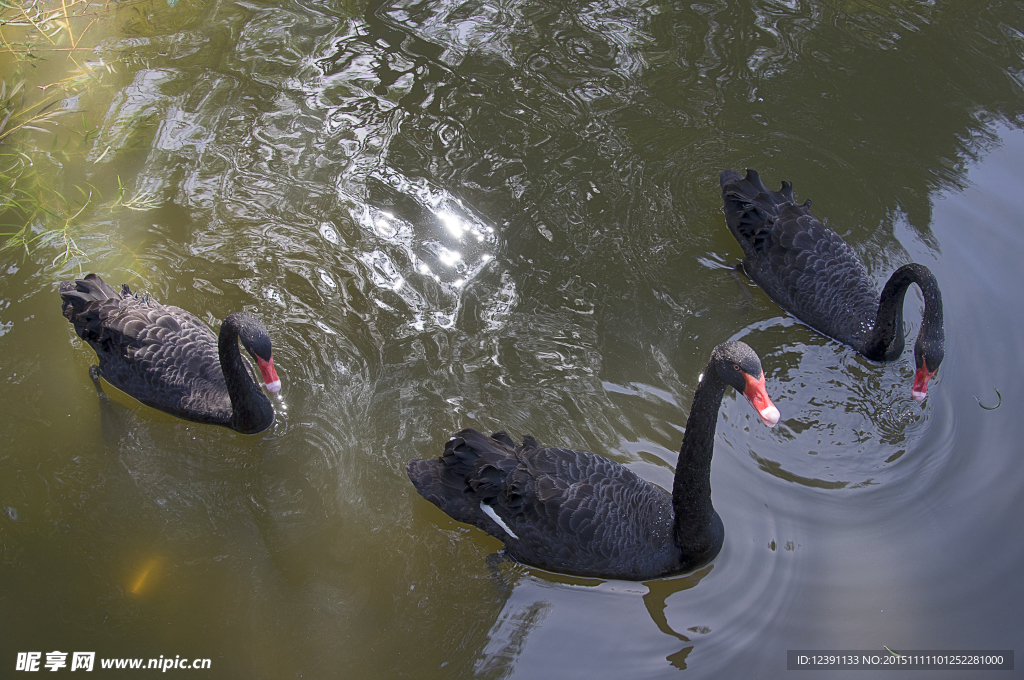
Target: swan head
269, 373
739, 366
928, 354
758, 398
256, 341
921, 377
930, 347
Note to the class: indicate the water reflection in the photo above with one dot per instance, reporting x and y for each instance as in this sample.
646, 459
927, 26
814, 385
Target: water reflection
848, 417
544, 607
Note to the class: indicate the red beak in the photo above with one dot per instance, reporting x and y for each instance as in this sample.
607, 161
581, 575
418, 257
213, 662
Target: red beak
758, 398
269, 373
920, 389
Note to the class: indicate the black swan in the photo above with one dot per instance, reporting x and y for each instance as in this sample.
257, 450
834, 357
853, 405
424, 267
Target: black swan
580, 513
168, 359
811, 272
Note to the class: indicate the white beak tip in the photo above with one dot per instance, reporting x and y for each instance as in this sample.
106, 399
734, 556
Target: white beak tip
770, 415
274, 387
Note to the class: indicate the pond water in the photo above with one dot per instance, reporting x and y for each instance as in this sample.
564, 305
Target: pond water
507, 216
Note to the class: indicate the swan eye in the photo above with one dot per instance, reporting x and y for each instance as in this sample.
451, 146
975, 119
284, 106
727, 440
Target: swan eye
735, 367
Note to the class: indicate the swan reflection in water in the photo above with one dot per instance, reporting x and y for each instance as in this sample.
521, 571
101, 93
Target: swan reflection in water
539, 606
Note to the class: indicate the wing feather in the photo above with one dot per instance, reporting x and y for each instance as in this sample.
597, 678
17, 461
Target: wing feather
570, 511
804, 266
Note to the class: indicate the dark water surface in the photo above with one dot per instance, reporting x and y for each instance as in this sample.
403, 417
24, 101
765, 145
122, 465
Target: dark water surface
506, 215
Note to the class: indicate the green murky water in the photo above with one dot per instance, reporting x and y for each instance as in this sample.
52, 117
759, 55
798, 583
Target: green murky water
506, 215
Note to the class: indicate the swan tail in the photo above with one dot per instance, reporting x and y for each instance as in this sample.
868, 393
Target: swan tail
108, 318
473, 470
86, 303
83, 292
752, 209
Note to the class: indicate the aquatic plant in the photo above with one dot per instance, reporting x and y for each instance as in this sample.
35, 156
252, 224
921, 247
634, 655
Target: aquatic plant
37, 130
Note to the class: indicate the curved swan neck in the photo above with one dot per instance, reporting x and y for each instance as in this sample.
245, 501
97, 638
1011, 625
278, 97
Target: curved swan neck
691, 490
886, 340
250, 409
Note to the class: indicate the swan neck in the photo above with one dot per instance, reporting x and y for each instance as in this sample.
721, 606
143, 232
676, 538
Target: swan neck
249, 406
886, 341
691, 490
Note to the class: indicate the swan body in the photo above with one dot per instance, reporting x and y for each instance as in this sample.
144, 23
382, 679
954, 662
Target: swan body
168, 359
812, 273
580, 513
